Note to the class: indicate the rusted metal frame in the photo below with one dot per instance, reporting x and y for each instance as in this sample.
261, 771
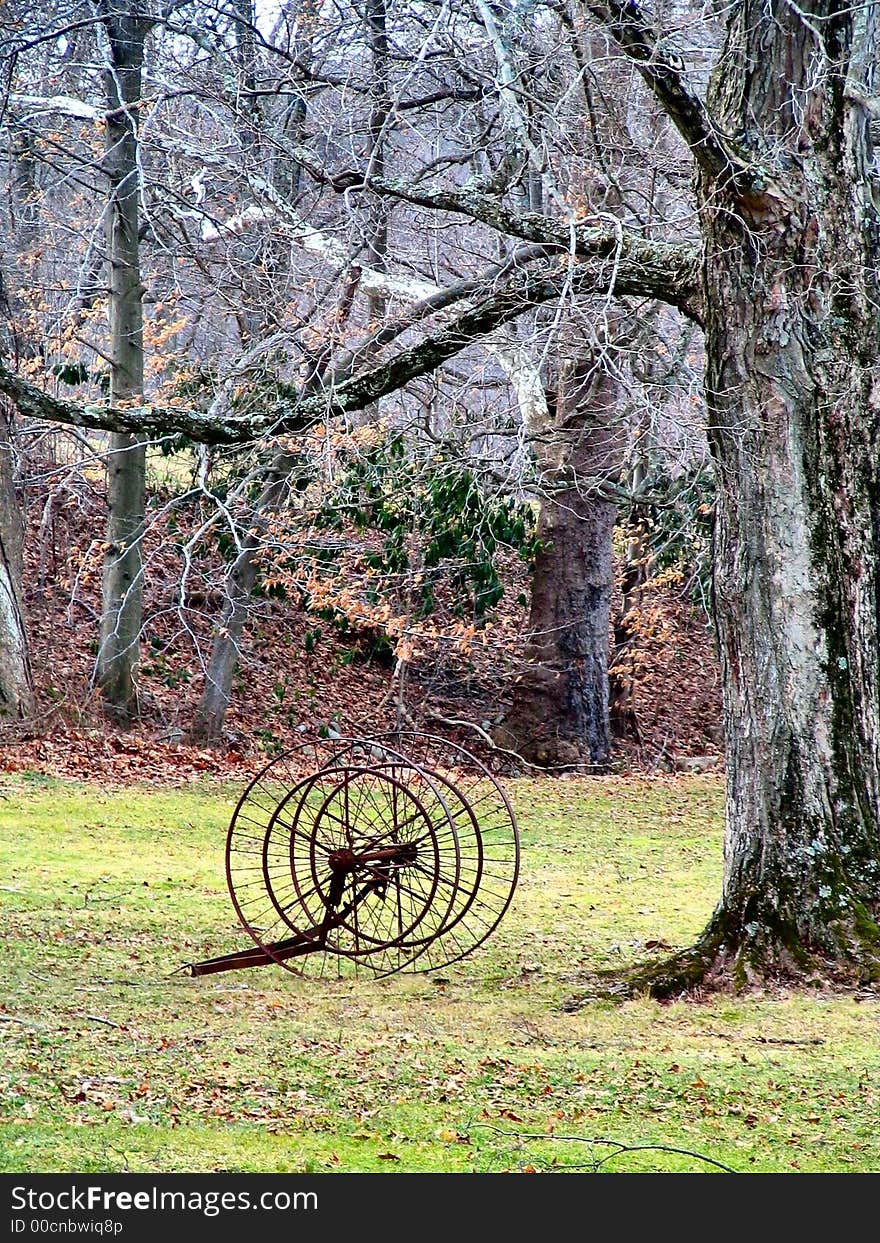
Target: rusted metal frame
309, 941
353, 761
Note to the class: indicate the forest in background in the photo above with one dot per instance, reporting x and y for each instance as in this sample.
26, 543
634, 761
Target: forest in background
302, 672
514, 547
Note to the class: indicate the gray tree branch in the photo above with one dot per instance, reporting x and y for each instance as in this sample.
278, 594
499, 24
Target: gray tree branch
663, 72
648, 273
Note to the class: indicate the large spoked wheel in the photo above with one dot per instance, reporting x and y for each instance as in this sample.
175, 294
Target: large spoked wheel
389, 853
488, 839
361, 863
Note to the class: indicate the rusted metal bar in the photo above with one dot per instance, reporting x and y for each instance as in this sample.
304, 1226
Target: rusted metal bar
254, 957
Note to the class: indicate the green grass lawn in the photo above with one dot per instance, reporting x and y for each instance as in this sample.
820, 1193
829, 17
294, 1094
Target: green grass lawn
109, 1062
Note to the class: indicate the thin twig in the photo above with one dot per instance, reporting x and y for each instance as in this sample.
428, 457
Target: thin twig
619, 1148
96, 1018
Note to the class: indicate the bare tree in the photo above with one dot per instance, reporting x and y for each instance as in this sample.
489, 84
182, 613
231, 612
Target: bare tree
784, 285
122, 610
16, 682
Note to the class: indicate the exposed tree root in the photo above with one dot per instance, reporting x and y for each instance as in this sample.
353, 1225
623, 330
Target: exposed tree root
718, 962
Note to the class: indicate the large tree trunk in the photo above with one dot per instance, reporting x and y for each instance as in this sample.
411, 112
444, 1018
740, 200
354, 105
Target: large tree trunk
122, 605
559, 713
16, 686
794, 410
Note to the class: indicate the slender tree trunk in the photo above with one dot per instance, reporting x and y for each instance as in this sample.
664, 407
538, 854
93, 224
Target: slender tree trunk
16, 685
380, 110
16, 681
559, 713
122, 606
25, 200
210, 714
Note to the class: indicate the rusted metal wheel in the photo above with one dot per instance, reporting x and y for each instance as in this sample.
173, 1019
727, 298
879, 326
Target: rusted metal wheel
488, 839
370, 855
388, 853
359, 860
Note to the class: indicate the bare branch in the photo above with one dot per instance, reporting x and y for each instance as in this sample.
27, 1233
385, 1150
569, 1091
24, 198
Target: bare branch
210, 427
65, 105
667, 271
663, 72
499, 305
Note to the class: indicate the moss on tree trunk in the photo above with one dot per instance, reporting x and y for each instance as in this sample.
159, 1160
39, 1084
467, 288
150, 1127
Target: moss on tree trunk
792, 341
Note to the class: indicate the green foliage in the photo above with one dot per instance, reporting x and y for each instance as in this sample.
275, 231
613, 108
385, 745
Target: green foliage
71, 373
436, 518
196, 385
268, 742
311, 639
170, 673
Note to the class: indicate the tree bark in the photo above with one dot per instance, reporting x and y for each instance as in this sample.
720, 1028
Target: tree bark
559, 713
210, 714
16, 680
792, 342
791, 297
16, 684
376, 32
122, 586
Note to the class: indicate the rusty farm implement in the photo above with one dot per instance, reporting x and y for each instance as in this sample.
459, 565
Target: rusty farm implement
388, 853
